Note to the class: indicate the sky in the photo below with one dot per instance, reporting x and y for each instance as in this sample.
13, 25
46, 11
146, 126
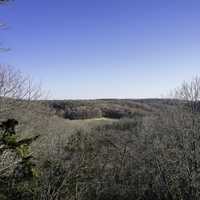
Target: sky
90, 49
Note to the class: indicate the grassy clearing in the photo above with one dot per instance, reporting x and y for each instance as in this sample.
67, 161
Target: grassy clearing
58, 131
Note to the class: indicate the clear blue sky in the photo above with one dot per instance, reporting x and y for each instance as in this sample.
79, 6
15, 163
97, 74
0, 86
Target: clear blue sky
104, 48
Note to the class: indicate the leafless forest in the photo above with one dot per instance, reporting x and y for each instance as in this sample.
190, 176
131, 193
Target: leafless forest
105, 149
97, 149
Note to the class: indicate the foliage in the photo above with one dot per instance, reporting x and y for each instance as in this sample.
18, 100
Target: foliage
16, 176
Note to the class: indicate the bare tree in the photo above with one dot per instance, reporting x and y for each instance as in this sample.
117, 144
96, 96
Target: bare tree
189, 92
3, 25
15, 85
16, 89
3, 1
